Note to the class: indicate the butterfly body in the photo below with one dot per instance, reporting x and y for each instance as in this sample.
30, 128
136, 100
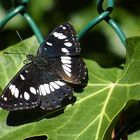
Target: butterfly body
43, 80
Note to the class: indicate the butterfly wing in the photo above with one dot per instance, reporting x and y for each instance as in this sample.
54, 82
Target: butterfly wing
32, 87
52, 89
21, 92
62, 50
71, 69
62, 41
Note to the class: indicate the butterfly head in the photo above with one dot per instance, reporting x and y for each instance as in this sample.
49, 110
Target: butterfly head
30, 58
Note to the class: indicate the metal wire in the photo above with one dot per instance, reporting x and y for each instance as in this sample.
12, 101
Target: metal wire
110, 21
21, 9
103, 15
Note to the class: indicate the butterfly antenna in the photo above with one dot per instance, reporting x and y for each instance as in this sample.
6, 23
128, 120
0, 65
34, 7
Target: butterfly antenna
18, 34
14, 53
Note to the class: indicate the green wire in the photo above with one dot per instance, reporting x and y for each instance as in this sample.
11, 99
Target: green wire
110, 21
34, 27
103, 15
10, 15
21, 9
92, 23
118, 30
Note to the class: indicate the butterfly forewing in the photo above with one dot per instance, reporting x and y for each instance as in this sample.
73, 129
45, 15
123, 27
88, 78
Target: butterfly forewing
62, 41
21, 92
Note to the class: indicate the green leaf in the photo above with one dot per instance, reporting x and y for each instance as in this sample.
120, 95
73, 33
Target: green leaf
107, 92
135, 136
11, 63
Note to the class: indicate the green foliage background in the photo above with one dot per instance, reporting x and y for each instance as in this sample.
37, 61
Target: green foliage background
112, 86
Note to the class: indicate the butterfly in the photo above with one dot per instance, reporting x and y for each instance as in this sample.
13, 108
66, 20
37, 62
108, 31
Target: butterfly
44, 81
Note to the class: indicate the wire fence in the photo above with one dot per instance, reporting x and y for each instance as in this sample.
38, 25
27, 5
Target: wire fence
104, 14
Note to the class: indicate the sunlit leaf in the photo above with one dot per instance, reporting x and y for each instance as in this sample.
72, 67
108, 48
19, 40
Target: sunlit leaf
107, 92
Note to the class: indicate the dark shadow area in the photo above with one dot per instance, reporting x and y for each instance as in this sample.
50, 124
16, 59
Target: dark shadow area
63, 9
37, 138
68, 7
12, 35
6, 4
129, 121
95, 47
133, 116
51, 18
132, 6
20, 117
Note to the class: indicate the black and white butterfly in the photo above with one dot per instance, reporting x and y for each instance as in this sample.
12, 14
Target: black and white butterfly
44, 80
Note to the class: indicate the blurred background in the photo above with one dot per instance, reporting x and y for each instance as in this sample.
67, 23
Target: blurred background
100, 44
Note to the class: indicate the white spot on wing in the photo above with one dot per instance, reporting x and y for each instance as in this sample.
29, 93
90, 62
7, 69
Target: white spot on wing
12, 88
68, 44
68, 65
62, 37
54, 85
16, 94
33, 90
48, 43
26, 95
60, 83
20, 95
66, 68
64, 27
5, 98
66, 59
47, 89
59, 35
42, 90
64, 50
68, 73
22, 77
52, 88
56, 34
26, 71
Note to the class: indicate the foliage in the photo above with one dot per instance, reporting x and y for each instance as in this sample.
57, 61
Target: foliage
109, 90
107, 93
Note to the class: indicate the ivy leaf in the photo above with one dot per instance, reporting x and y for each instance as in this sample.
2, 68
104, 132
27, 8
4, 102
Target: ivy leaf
107, 92
134, 136
11, 63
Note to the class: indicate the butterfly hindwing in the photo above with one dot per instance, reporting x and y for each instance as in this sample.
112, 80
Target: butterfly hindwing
53, 93
52, 89
62, 41
71, 69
